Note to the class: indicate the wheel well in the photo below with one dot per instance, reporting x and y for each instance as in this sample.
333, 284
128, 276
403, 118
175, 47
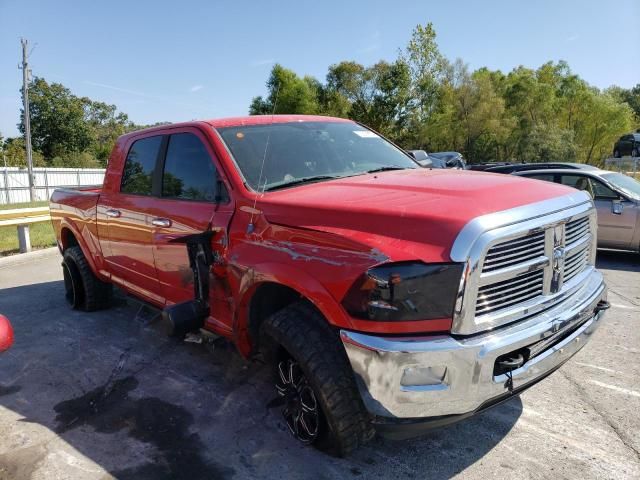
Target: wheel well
267, 300
68, 239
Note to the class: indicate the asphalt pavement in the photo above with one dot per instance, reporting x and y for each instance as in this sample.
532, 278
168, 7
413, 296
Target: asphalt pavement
106, 395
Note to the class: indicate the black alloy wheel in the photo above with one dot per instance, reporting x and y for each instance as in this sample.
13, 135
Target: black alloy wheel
301, 410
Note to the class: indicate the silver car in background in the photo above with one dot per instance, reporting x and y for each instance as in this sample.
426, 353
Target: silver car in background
617, 199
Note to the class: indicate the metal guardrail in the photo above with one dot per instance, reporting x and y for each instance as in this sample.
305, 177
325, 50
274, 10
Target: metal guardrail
22, 218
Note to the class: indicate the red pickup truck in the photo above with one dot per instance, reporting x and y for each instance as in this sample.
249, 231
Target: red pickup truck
389, 296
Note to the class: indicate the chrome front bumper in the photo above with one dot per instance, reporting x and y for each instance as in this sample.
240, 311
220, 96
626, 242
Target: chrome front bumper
405, 378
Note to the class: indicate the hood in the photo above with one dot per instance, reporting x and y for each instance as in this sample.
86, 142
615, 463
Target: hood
405, 214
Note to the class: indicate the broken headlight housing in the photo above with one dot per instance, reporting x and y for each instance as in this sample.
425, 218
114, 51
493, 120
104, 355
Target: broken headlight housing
405, 291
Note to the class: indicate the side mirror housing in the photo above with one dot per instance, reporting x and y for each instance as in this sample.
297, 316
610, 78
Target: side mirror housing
616, 207
421, 157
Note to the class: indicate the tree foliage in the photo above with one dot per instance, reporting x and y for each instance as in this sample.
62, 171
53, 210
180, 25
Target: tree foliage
67, 130
421, 100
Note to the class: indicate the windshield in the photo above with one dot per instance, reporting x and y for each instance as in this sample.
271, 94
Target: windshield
627, 185
302, 152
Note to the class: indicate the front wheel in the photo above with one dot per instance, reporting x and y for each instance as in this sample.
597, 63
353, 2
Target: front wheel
635, 153
616, 153
321, 404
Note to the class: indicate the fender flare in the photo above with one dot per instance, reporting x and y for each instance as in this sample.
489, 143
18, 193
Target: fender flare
294, 278
82, 243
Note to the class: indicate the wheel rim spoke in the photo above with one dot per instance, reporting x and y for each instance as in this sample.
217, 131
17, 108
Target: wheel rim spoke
301, 412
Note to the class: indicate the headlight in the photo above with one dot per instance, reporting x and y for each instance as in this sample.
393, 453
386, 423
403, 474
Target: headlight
405, 291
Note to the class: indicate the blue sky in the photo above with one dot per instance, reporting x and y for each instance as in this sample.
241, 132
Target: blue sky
180, 60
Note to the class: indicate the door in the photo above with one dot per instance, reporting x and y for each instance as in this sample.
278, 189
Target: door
626, 145
616, 223
192, 200
129, 251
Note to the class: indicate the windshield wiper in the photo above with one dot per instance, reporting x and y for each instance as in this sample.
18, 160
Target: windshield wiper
386, 169
300, 181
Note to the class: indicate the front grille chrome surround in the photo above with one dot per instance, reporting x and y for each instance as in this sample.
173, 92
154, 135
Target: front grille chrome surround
526, 264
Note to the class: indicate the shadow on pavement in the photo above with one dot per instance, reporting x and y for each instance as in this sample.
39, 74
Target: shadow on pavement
142, 406
618, 260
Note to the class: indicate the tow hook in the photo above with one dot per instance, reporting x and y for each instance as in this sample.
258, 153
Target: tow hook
602, 306
508, 365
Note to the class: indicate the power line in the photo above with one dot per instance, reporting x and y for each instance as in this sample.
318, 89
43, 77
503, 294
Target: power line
27, 118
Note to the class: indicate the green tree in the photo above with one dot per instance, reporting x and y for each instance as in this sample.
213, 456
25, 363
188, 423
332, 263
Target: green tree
421, 100
630, 96
427, 66
15, 155
288, 93
58, 121
69, 130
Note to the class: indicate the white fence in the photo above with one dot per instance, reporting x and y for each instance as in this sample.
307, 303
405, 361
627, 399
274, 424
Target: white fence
628, 165
14, 181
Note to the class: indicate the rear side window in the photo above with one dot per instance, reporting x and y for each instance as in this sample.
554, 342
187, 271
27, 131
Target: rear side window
137, 177
189, 172
548, 177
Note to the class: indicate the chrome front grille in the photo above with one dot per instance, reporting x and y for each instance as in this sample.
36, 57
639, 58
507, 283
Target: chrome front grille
524, 269
521, 261
576, 261
576, 230
514, 252
509, 292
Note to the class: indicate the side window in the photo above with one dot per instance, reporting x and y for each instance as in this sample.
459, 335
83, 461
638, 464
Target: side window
189, 172
577, 181
137, 177
548, 177
601, 191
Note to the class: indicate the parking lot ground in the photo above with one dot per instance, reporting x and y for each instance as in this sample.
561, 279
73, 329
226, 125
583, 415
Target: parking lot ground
102, 395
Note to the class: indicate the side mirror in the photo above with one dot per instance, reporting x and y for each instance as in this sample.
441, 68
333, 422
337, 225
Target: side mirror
421, 157
418, 154
616, 207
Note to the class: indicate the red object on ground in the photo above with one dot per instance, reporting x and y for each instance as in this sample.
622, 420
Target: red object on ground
6, 333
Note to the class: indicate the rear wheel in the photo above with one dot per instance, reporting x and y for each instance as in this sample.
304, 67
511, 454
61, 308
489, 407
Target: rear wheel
634, 153
83, 290
313, 378
616, 153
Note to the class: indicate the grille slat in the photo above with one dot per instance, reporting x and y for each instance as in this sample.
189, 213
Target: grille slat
576, 235
513, 261
515, 243
484, 301
511, 284
514, 252
509, 304
506, 294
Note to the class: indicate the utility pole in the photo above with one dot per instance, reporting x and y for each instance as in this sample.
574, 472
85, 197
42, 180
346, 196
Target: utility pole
27, 120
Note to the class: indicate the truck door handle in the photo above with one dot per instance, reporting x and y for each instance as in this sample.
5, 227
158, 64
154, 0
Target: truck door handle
113, 213
161, 222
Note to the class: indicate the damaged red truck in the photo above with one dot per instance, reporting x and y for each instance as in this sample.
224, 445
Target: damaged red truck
388, 296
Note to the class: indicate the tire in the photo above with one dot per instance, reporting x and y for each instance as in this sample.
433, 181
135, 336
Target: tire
616, 153
299, 339
83, 290
634, 153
